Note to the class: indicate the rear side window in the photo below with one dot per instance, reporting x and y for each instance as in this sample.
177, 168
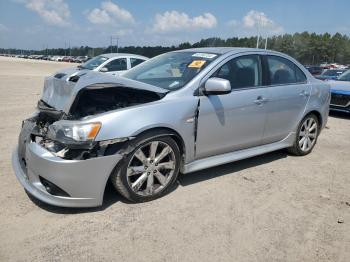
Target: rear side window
117, 65
242, 72
301, 77
135, 61
282, 71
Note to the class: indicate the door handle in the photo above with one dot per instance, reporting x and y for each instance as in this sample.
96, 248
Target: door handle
260, 100
304, 93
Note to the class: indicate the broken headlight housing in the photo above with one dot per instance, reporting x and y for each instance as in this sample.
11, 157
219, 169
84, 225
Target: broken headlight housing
73, 134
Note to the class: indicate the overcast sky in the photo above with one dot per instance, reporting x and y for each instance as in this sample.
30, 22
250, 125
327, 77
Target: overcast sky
33, 24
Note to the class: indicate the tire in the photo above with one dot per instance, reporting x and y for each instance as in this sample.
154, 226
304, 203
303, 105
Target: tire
299, 148
133, 178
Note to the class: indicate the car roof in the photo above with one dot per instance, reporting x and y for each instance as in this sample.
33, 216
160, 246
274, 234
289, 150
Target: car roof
112, 55
224, 50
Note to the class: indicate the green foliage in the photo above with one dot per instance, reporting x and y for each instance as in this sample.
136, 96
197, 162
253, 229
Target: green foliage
308, 48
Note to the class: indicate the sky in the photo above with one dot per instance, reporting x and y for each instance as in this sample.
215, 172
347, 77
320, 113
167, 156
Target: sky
37, 24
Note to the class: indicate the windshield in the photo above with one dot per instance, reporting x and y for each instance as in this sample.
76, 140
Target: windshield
94, 62
171, 71
345, 76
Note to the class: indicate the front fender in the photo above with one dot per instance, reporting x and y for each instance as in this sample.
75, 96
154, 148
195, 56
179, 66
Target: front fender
175, 113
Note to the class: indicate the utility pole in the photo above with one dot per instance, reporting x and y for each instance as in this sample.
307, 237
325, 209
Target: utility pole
266, 36
258, 32
114, 38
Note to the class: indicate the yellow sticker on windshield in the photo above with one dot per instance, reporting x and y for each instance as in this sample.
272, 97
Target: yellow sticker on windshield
197, 64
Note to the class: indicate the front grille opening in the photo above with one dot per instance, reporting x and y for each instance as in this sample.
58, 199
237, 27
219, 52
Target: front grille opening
52, 189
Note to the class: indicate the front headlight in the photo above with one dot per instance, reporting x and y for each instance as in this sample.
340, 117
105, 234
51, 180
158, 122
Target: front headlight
67, 133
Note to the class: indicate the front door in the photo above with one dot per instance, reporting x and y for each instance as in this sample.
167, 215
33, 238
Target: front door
233, 121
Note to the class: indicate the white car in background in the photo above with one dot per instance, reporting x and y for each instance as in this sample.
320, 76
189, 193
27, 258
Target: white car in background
113, 63
56, 58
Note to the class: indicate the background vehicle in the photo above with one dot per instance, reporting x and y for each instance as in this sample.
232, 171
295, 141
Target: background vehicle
81, 59
181, 111
340, 91
331, 74
113, 63
314, 70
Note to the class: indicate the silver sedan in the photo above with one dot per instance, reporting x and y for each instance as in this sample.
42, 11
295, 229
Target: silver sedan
179, 112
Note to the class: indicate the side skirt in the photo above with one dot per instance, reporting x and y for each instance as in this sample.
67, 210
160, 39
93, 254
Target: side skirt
238, 155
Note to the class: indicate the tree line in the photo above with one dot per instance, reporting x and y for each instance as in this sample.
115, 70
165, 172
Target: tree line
308, 48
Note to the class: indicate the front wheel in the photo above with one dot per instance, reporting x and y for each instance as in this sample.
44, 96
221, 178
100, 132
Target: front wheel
306, 136
149, 171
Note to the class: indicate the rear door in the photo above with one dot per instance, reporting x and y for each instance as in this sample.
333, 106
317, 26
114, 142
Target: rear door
288, 93
135, 61
233, 121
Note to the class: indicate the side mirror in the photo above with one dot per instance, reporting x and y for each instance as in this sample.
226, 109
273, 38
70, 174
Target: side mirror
104, 69
217, 86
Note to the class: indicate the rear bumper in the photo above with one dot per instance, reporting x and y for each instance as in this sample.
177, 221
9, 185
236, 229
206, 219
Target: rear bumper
83, 180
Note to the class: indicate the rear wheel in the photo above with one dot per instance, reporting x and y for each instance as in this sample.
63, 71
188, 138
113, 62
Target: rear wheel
149, 171
306, 136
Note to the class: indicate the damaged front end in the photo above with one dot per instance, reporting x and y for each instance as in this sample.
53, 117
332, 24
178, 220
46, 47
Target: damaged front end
43, 130
65, 135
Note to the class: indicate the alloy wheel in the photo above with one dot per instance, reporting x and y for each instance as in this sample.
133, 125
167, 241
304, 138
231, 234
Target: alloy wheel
308, 134
151, 168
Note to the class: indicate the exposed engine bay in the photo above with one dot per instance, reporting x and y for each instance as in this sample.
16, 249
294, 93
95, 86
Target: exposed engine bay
96, 101
89, 101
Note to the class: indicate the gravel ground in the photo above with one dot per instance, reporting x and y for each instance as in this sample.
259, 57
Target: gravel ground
273, 207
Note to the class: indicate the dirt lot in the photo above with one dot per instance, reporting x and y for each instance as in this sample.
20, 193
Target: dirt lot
273, 207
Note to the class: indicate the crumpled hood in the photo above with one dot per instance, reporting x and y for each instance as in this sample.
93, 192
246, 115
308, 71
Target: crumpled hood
60, 92
339, 85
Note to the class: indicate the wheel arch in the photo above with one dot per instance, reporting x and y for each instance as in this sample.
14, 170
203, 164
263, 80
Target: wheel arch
154, 131
317, 114
124, 148
170, 132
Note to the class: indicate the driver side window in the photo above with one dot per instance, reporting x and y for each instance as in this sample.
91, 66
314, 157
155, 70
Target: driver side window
242, 72
117, 65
